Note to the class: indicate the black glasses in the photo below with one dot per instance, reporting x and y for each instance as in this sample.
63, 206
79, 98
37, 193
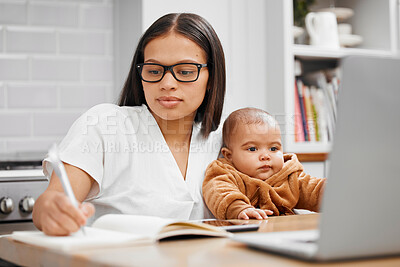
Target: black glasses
182, 72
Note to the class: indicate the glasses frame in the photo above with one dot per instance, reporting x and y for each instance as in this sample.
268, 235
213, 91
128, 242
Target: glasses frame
169, 68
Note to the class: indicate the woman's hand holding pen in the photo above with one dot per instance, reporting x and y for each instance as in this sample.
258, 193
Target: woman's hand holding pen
54, 213
61, 217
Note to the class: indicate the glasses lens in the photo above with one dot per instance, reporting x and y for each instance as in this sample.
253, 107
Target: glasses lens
152, 72
186, 72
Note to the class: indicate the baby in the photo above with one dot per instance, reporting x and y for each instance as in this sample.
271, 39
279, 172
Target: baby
254, 178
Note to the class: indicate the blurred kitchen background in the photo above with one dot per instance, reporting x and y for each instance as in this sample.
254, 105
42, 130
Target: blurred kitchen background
59, 58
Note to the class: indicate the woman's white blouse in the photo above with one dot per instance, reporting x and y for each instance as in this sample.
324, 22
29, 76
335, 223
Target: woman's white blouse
124, 151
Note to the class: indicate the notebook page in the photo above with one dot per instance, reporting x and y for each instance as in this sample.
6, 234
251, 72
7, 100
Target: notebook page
94, 238
137, 224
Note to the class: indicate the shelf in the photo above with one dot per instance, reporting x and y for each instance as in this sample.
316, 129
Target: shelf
312, 157
308, 147
314, 52
376, 21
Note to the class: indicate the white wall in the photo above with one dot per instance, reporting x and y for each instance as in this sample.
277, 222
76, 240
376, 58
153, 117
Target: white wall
56, 61
126, 32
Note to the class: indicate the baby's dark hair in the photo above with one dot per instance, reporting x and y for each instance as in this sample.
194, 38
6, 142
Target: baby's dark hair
245, 116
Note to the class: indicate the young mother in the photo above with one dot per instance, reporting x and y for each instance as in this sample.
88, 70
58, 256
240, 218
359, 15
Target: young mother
148, 155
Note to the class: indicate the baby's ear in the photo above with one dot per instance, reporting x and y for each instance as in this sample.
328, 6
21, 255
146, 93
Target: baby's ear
227, 153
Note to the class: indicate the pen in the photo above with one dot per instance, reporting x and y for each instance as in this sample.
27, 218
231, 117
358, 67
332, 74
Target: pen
58, 167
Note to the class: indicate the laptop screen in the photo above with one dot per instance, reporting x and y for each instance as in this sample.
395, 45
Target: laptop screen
363, 179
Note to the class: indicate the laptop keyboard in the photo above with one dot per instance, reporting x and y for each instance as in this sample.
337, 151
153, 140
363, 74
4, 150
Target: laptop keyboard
296, 243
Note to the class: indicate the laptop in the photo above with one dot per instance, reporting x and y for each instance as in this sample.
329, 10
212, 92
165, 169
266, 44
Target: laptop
361, 204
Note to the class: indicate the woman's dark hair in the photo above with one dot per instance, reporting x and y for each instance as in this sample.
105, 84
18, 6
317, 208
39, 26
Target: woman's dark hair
201, 32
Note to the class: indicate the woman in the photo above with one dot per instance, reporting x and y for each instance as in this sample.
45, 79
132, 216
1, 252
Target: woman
148, 155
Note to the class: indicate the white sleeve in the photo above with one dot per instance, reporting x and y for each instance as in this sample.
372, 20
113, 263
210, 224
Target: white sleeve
82, 147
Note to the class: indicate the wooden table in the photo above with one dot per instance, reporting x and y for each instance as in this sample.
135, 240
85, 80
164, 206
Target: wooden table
191, 252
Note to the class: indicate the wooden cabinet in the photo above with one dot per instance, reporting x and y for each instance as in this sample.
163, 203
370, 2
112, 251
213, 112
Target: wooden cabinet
314, 164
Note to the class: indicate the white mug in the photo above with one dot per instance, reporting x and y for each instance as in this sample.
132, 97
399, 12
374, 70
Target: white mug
323, 30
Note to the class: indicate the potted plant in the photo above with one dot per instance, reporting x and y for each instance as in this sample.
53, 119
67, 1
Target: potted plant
300, 10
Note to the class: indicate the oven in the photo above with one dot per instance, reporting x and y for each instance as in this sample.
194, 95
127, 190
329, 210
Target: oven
21, 182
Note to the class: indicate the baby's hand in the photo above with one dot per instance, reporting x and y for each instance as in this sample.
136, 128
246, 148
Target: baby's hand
253, 213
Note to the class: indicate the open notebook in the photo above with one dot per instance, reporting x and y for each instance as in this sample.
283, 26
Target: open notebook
120, 230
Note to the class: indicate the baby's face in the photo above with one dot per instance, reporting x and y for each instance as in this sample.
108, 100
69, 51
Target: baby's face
256, 150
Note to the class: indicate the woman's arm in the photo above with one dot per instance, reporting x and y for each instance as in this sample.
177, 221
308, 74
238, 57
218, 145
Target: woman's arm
54, 214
